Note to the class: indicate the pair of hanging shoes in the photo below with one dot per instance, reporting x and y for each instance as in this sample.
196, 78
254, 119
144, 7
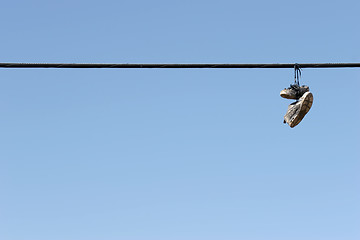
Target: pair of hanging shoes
298, 109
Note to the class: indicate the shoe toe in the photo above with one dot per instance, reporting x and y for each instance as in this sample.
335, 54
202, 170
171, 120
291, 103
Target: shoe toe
284, 94
287, 96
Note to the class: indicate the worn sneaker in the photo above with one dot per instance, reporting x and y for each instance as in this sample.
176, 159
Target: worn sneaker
297, 110
294, 91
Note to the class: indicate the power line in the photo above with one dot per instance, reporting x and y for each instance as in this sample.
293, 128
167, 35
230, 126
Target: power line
178, 65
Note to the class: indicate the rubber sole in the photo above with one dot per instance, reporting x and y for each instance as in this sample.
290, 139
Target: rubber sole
285, 94
306, 102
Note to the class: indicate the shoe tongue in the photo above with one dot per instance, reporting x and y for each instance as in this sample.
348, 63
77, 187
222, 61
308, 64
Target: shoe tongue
295, 87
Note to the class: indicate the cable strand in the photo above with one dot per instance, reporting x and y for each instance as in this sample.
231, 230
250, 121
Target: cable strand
178, 65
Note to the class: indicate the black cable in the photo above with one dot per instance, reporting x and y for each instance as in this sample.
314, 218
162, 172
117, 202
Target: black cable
177, 65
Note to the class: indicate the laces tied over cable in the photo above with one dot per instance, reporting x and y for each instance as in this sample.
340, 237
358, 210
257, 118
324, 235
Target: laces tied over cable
296, 85
297, 73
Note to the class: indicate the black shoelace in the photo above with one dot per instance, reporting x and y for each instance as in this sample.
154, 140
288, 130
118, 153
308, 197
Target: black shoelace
297, 73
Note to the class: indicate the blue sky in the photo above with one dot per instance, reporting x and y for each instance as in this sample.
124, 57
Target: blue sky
157, 154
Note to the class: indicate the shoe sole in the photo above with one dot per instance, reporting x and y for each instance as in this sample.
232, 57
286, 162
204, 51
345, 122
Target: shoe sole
283, 94
304, 109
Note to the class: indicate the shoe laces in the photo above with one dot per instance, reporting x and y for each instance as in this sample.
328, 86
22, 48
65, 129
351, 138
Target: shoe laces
297, 74
296, 88
296, 85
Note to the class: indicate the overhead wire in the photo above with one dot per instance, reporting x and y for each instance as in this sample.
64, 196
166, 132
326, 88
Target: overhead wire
179, 65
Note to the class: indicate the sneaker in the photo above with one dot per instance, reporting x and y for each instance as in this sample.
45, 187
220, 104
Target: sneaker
297, 110
294, 91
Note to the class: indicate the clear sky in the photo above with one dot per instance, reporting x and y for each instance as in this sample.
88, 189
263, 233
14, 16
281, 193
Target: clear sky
178, 154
